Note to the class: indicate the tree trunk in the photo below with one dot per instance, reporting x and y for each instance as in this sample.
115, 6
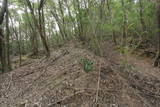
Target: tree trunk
157, 60
124, 24
59, 24
70, 15
33, 36
142, 16
18, 41
42, 34
19, 45
111, 22
7, 40
2, 38
38, 24
3, 52
62, 16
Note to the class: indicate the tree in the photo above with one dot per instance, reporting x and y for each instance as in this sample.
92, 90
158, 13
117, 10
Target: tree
33, 33
44, 23
124, 23
142, 15
157, 60
8, 39
38, 23
111, 21
2, 38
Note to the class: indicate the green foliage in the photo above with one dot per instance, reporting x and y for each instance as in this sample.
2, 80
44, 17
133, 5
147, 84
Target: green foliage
123, 49
84, 19
88, 65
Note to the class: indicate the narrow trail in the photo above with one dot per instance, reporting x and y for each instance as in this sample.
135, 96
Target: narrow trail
140, 75
144, 65
144, 79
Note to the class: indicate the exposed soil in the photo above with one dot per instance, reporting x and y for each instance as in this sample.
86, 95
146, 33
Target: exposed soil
61, 81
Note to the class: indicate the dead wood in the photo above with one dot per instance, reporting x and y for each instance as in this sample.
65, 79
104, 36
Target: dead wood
65, 98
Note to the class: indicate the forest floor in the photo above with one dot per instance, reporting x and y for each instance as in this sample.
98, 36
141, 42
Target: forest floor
61, 81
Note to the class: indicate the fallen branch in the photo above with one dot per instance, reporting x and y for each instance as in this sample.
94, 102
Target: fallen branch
146, 92
93, 89
55, 59
44, 71
98, 84
63, 99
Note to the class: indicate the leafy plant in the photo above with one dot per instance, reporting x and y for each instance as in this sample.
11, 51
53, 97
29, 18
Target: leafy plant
87, 64
123, 49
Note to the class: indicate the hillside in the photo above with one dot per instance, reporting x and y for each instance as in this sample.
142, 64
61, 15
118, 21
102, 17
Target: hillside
61, 81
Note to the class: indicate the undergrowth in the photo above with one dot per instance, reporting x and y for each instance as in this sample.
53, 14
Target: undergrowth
87, 64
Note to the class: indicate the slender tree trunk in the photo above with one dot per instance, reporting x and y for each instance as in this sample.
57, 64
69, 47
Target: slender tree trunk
3, 52
59, 24
157, 60
111, 22
38, 24
2, 38
33, 36
62, 16
18, 41
142, 16
42, 27
41, 31
7, 40
124, 23
43, 23
19, 45
102, 10
70, 15
79, 20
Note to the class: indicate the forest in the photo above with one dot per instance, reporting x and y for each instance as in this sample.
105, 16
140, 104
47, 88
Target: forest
79, 53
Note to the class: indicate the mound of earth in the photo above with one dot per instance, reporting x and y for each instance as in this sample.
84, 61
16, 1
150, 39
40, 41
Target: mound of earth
60, 81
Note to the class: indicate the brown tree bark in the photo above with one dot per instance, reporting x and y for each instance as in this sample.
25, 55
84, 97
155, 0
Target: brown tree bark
2, 38
42, 28
38, 24
8, 40
33, 35
142, 16
124, 23
157, 60
111, 22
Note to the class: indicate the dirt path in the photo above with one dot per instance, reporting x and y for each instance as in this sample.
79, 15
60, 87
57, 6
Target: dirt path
144, 65
140, 75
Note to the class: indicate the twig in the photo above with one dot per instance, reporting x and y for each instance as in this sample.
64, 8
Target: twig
9, 85
63, 99
146, 92
44, 71
46, 66
92, 89
98, 84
